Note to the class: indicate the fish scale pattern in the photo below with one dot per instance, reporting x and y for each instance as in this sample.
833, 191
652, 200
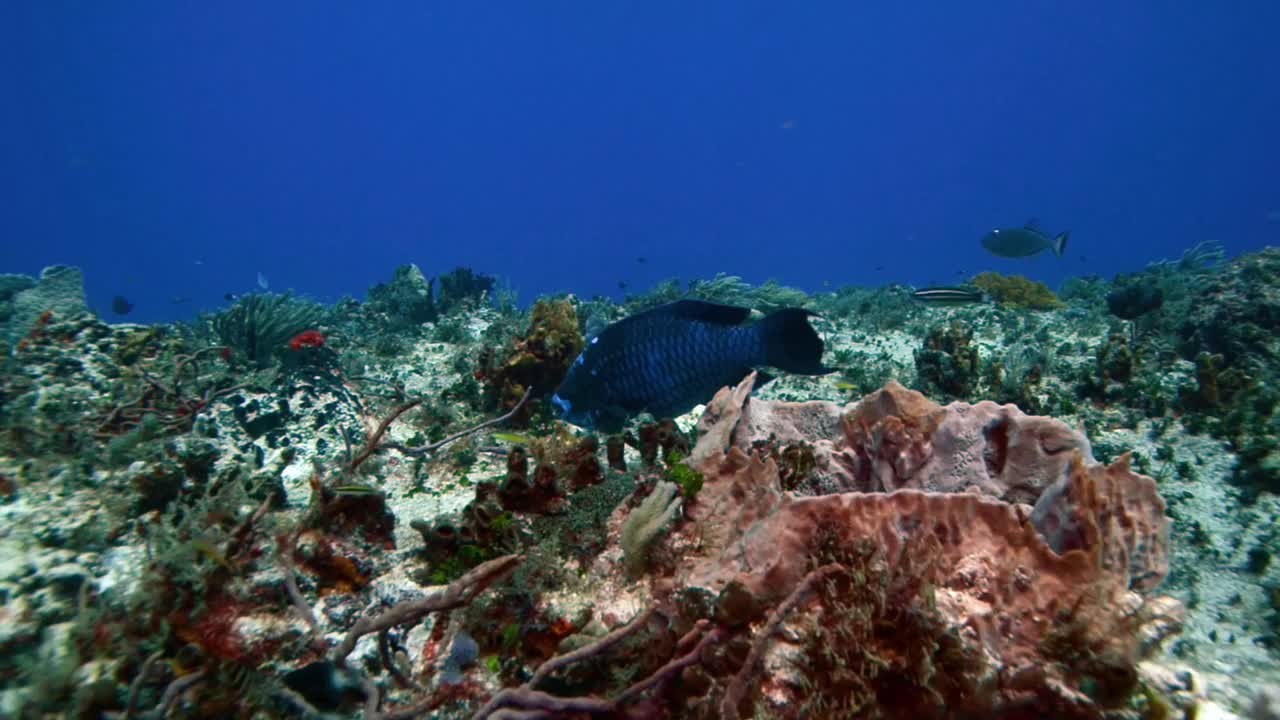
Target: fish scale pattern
671, 360
668, 359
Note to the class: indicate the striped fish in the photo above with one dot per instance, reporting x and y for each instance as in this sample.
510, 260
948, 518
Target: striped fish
949, 295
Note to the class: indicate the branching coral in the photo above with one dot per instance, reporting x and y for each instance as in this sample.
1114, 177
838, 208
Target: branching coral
329, 680
173, 403
526, 702
458, 593
375, 441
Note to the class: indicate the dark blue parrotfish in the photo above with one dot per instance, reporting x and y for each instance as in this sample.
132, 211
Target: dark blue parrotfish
666, 360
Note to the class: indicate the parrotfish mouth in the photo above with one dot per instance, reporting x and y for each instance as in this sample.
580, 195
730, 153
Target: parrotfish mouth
562, 406
564, 410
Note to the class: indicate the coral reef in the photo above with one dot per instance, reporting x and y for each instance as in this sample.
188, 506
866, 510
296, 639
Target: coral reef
948, 362
258, 327
1230, 331
1133, 300
461, 286
724, 289
406, 299
409, 299
539, 358
1082, 525
59, 291
1237, 313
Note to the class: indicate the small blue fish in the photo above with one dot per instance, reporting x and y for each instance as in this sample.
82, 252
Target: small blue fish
262, 281
668, 359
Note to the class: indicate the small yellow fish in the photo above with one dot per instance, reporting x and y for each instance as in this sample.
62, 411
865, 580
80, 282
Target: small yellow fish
206, 548
845, 386
514, 438
355, 490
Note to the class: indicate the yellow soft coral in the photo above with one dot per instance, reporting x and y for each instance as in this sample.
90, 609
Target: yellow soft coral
1017, 291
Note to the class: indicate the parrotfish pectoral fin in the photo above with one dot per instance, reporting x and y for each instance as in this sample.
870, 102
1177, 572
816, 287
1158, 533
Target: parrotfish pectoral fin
610, 419
1060, 243
791, 344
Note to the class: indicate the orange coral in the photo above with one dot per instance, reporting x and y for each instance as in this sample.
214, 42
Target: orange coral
1017, 291
540, 358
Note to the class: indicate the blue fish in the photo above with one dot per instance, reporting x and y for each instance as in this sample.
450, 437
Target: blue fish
668, 359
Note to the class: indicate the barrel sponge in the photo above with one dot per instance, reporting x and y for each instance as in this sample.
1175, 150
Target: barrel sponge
59, 291
1017, 549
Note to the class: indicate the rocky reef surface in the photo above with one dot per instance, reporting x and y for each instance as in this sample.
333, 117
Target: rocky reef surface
1040, 506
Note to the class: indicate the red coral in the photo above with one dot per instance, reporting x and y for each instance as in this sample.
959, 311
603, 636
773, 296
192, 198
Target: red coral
215, 631
306, 339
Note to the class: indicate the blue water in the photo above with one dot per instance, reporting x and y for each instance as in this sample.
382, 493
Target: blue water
177, 149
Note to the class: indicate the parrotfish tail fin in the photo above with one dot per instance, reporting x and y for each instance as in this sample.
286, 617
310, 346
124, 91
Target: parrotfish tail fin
791, 344
1060, 243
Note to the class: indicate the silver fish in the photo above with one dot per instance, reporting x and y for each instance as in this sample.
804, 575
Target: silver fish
1023, 242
